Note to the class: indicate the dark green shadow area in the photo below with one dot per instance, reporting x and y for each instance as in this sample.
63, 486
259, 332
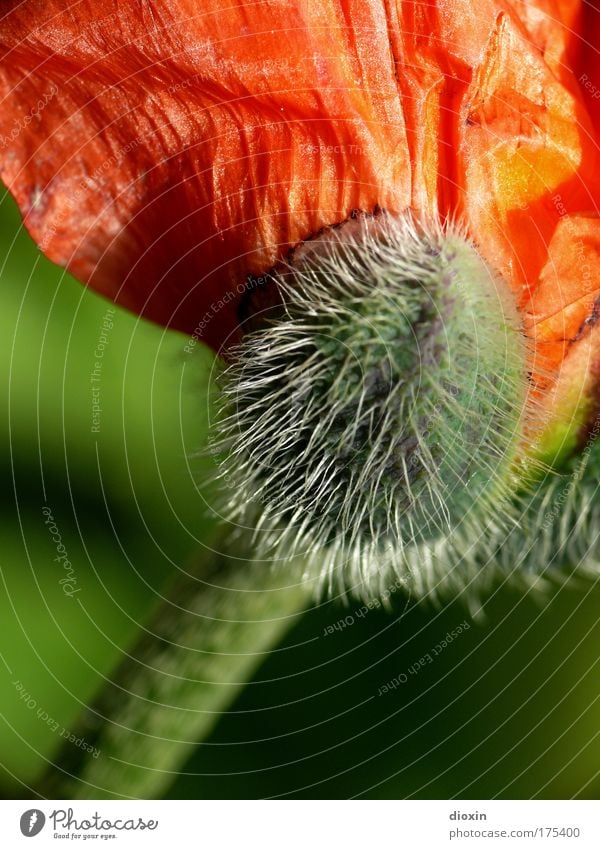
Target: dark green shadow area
118, 479
508, 708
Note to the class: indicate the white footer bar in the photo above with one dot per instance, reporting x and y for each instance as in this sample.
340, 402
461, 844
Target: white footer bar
302, 824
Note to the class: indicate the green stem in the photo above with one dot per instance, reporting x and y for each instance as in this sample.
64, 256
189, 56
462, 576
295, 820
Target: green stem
208, 638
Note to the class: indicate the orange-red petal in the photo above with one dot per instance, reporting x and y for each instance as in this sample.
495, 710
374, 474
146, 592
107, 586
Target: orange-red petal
180, 146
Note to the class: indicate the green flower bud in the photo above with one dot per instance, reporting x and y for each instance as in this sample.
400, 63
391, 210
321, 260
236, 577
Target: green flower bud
383, 407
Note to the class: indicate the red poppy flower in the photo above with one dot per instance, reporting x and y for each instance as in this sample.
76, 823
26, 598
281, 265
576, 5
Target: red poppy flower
163, 151
167, 151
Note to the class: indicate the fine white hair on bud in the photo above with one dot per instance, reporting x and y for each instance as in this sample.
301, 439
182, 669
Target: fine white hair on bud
380, 411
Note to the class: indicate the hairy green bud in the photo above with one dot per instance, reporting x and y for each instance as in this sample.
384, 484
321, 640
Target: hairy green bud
383, 407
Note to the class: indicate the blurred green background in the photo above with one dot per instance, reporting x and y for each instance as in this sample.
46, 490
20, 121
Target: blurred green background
509, 709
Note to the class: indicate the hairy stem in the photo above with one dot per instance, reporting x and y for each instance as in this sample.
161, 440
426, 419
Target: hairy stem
206, 640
